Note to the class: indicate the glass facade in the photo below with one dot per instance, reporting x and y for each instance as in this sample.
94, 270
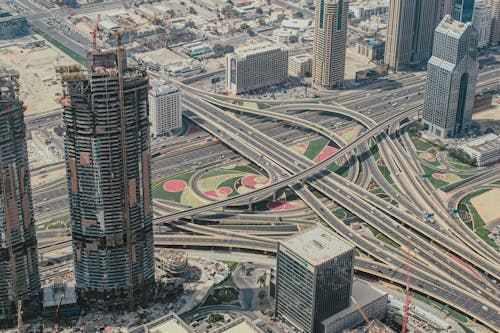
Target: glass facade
306, 293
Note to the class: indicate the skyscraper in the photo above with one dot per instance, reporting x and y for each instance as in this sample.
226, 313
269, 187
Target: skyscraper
107, 154
330, 33
409, 32
313, 277
462, 10
444, 8
481, 20
495, 21
451, 79
19, 279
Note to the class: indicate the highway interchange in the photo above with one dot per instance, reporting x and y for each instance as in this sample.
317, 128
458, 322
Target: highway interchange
382, 110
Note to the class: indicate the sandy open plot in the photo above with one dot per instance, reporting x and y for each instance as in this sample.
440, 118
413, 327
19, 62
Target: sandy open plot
355, 62
39, 88
486, 205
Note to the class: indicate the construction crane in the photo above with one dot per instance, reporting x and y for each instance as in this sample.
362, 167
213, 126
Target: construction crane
56, 315
408, 296
19, 315
94, 33
365, 317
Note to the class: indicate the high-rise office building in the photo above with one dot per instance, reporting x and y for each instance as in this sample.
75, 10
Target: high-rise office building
495, 21
313, 277
481, 20
462, 10
409, 32
19, 279
444, 8
256, 66
107, 152
451, 79
164, 108
330, 33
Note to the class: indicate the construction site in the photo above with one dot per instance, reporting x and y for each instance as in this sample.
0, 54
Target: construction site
107, 133
19, 279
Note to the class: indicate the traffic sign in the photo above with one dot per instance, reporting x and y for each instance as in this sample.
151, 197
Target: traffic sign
430, 215
456, 211
426, 175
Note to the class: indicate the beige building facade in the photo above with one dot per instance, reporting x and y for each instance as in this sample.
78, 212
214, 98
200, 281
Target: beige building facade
256, 66
329, 46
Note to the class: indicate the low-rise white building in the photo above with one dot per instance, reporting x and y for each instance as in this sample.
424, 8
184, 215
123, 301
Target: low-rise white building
164, 108
300, 65
256, 66
485, 149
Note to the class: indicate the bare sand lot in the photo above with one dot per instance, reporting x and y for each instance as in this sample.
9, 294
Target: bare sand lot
487, 206
489, 118
40, 90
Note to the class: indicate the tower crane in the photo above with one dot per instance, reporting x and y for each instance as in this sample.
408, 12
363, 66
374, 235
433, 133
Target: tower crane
56, 315
19, 315
365, 317
94, 33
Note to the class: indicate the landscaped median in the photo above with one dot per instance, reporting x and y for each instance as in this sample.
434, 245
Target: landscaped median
438, 178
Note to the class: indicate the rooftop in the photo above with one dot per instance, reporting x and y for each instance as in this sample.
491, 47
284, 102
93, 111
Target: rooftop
167, 324
363, 293
163, 89
484, 143
257, 48
317, 245
452, 25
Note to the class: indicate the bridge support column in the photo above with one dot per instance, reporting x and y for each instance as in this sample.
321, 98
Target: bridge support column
192, 218
250, 204
274, 196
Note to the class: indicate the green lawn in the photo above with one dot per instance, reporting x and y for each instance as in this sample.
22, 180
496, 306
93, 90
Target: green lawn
160, 193
386, 173
451, 312
230, 183
457, 164
315, 147
339, 170
60, 222
421, 144
387, 240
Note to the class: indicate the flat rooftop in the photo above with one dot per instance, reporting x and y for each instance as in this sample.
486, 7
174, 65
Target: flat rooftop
257, 48
242, 327
317, 245
169, 326
452, 25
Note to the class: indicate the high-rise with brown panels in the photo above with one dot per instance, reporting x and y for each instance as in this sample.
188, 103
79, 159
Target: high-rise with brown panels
107, 152
330, 33
19, 279
410, 29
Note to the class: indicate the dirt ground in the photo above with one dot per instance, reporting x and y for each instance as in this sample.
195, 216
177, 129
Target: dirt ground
39, 88
489, 118
355, 62
486, 205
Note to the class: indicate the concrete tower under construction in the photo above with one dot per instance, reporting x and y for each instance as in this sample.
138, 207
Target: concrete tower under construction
19, 279
107, 154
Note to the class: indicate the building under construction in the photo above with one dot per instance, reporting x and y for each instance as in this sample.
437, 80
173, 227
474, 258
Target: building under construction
19, 279
107, 156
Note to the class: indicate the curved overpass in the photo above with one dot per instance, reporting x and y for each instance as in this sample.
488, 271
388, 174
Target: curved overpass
299, 177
